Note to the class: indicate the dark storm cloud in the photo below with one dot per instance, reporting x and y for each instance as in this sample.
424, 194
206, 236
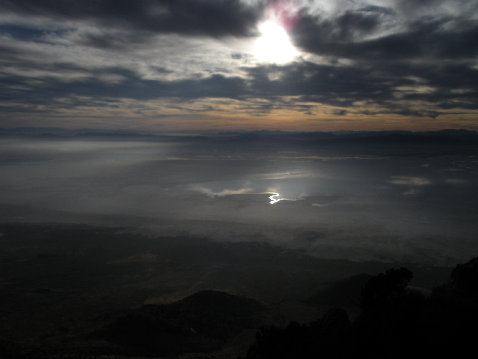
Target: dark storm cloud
123, 41
194, 17
411, 5
53, 90
342, 28
345, 85
333, 85
327, 82
425, 39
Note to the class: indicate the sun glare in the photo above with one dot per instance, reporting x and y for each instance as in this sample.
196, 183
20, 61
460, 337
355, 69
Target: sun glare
274, 44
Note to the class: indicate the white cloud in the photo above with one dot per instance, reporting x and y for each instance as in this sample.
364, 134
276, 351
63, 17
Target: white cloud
455, 181
222, 193
410, 181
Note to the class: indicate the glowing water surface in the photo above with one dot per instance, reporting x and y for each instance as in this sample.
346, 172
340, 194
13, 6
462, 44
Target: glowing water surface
274, 198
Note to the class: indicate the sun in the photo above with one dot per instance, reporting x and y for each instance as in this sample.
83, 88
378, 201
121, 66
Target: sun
273, 44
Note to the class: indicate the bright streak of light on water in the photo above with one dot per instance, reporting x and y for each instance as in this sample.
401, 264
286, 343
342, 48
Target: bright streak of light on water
274, 198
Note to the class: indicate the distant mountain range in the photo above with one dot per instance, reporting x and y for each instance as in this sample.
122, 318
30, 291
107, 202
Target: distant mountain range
355, 136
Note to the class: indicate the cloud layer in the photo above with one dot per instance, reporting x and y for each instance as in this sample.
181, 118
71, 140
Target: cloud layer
191, 64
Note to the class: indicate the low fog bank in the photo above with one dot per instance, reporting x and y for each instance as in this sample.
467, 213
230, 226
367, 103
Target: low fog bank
361, 196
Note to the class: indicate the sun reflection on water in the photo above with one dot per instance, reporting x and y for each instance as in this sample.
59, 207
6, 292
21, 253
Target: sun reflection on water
274, 198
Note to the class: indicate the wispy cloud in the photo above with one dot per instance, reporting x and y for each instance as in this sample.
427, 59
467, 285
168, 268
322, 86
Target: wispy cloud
414, 184
222, 193
455, 181
410, 181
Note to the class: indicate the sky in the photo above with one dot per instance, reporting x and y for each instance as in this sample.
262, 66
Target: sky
292, 65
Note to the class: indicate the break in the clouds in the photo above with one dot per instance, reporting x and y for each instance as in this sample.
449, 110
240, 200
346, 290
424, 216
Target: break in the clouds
186, 64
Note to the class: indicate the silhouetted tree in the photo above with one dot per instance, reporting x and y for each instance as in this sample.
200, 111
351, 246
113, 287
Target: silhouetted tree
327, 337
464, 278
381, 289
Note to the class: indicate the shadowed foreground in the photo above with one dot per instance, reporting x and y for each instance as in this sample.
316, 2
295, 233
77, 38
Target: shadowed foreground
396, 321
80, 292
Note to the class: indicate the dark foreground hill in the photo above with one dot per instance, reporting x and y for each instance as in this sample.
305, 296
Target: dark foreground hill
396, 321
203, 322
341, 293
64, 290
